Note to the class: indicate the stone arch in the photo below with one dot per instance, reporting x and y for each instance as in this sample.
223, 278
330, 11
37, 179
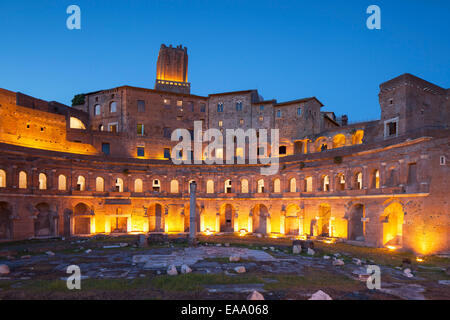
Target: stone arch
321, 144
357, 137
23, 180
44, 221
42, 181
62, 182
227, 213
119, 185
82, 219
392, 220
320, 225
292, 185
356, 230
325, 183
174, 186
375, 179
99, 184
259, 219
276, 185
81, 183
260, 186
6, 227
155, 218
210, 186
2, 178
308, 184
338, 140
138, 186
244, 186
358, 180
292, 225
340, 181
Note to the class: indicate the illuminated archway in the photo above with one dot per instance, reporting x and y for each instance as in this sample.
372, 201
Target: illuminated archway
355, 224
292, 220
338, 141
392, 220
82, 219
155, 216
259, 220
227, 213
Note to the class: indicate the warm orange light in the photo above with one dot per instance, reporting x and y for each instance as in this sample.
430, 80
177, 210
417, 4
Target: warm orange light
391, 247
242, 232
420, 259
208, 232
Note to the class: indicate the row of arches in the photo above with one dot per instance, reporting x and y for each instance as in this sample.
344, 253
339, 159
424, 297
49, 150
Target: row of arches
342, 182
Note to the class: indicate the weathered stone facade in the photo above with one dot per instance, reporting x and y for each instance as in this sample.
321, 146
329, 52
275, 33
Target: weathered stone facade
101, 167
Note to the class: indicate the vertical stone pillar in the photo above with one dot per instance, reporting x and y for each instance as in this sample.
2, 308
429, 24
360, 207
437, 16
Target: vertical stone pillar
268, 225
217, 228
250, 223
192, 213
164, 219
236, 222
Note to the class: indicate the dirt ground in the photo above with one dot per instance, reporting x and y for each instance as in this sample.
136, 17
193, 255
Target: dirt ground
116, 267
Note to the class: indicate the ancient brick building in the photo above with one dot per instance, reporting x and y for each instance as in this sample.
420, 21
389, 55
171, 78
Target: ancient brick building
104, 166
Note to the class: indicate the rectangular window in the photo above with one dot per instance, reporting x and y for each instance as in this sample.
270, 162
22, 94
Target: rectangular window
391, 128
239, 106
180, 103
141, 105
140, 151
261, 108
167, 153
202, 107
167, 102
442, 160
241, 121
113, 127
140, 129
220, 107
105, 148
412, 173
299, 111
261, 118
278, 113
220, 123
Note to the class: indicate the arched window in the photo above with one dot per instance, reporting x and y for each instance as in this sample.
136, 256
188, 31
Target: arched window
325, 183
340, 182
2, 179
81, 183
244, 186
228, 186
260, 186
276, 186
338, 141
189, 185
357, 137
210, 186
42, 181
282, 150
308, 184
97, 110
174, 186
376, 179
156, 185
99, 184
358, 181
62, 182
76, 123
119, 185
138, 185
22, 180
293, 185
113, 107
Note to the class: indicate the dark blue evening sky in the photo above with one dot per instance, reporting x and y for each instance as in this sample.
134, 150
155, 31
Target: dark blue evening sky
285, 49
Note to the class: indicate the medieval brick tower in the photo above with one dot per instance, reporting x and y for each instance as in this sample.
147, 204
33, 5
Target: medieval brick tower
171, 70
